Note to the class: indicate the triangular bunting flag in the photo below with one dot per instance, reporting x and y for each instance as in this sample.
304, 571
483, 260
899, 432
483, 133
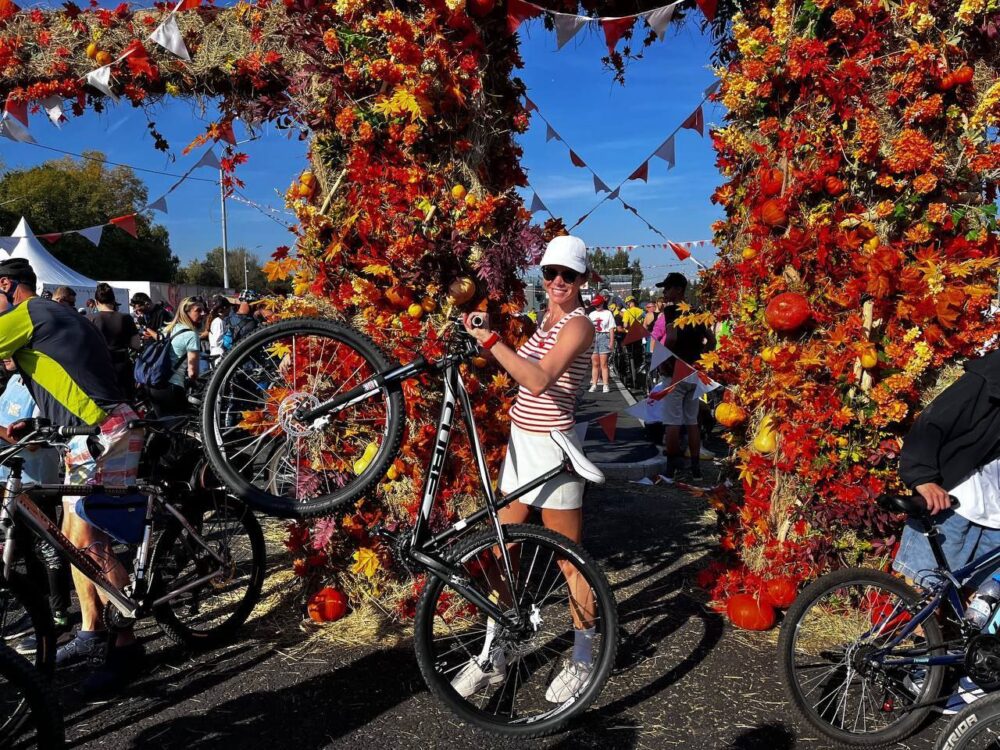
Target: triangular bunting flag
536, 204
614, 29
681, 252
660, 355
567, 27
703, 384
599, 186
530, 105
577, 161
518, 11
666, 152
635, 333
608, 423
550, 133
50, 237
639, 410
92, 234
682, 371
613, 194
580, 428
226, 132
630, 208
16, 109
160, 204
11, 128
126, 223
209, 159
8, 243
712, 89
100, 79
168, 36
659, 395
659, 19
641, 172
695, 121
708, 7
54, 109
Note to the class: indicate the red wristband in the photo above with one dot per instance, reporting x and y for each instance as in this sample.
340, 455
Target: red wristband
491, 341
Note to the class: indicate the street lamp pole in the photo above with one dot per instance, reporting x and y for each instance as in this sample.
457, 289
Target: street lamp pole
225, 234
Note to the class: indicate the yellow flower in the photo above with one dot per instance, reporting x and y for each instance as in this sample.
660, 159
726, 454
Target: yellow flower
969, 9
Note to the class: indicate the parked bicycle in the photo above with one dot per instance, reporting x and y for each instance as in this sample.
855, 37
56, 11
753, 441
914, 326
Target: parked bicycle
303, 417
30, 715
199, 557
863, 655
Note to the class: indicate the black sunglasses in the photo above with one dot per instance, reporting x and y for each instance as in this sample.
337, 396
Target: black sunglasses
568, 275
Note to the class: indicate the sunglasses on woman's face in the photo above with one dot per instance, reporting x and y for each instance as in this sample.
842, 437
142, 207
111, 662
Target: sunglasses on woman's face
568, 275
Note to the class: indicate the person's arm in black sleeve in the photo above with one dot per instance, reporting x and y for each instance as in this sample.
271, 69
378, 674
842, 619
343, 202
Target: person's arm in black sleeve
942, 420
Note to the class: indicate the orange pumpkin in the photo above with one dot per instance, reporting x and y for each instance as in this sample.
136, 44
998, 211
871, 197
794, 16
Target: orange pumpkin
771, 182
963, 75
749, 253
415, 310
461, 290
787, 312
729, 415
458, 192
772, 214
327, 605
399, 296
781, 592
750, 613
102, 58
834, 185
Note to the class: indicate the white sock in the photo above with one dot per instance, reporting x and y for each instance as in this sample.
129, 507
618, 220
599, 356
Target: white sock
583, 645
491, 630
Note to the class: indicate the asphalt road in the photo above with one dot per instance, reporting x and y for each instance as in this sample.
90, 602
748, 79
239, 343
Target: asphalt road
684, 677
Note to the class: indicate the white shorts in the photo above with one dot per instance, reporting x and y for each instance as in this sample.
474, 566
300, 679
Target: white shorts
531, 454
680, 406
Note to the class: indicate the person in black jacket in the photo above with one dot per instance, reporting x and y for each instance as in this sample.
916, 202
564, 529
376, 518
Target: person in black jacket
953, 451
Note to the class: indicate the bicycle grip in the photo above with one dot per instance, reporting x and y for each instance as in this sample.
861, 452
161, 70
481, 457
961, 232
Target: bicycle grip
67, 431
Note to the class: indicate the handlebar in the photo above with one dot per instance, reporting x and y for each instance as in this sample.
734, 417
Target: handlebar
66, 431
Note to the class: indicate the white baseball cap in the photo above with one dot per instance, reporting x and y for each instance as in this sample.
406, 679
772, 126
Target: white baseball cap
567, 251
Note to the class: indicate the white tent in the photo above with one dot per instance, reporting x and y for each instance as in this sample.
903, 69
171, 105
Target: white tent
51, 273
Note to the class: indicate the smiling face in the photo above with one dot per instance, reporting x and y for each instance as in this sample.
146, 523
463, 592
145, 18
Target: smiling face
560, 291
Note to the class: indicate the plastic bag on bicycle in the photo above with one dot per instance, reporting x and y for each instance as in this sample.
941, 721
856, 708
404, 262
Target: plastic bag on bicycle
121, 518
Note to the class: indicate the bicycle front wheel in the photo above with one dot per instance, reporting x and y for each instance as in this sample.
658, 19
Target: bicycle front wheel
975, 727
216, 597
270, 459
836, 652
531, 681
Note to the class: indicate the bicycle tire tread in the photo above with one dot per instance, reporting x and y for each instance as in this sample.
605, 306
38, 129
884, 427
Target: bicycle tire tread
44, 715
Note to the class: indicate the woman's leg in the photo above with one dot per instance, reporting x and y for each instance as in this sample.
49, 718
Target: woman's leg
604, 369
569, 523
595, 368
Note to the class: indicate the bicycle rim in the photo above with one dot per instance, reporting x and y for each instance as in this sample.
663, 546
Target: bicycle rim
265, 454
523, 697
834, 645
214, 608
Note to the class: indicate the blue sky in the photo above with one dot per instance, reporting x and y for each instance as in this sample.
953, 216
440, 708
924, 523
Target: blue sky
610, 126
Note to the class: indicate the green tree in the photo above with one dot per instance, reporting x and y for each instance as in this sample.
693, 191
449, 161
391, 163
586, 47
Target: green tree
67, 194
208, 271
618, 264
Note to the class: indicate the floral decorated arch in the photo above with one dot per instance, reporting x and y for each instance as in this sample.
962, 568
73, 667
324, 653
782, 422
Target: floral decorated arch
861, 166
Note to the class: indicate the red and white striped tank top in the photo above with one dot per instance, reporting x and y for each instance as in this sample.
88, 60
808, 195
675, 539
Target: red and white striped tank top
553, 410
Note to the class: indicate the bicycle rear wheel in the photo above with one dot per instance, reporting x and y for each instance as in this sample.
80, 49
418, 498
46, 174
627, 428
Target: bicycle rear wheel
28, 697
533, 690
264, 454
209, 612
831, 653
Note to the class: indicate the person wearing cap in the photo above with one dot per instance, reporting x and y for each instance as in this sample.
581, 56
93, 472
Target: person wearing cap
604, 343
549, 369
68, 371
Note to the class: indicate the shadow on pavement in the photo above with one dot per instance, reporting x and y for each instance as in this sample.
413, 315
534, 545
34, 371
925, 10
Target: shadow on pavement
773, 736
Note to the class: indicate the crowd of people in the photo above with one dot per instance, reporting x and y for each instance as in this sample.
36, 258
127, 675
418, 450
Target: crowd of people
74, 366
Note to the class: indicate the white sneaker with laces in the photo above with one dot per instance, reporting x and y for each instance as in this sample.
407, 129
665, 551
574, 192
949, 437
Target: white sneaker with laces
569, 682
593, 387
473, 677
606, 388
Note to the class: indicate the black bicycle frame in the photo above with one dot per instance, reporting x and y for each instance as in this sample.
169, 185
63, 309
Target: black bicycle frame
425, 549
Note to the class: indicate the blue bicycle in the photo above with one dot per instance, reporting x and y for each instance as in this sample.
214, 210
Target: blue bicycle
863, 655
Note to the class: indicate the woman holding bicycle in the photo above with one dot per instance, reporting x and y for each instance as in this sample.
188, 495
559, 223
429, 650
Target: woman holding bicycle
549, 368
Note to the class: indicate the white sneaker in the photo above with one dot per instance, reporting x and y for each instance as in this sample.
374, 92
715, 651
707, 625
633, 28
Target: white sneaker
593, 387
606, 389
569, 682
473, 677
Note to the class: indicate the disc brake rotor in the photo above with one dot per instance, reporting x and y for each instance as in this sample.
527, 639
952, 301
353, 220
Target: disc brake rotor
287, 409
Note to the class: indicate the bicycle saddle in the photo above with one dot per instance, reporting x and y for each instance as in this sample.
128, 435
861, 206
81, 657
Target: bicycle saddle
911, 505
581, 464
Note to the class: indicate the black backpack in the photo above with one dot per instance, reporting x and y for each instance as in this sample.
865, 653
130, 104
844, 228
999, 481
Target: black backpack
234, 328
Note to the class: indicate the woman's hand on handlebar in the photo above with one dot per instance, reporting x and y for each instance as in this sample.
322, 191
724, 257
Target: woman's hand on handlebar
935, 495
479, 333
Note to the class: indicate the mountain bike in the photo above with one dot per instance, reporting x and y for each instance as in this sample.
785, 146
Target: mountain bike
975, 727
862, 654
304, 416
199, 559
29, 710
